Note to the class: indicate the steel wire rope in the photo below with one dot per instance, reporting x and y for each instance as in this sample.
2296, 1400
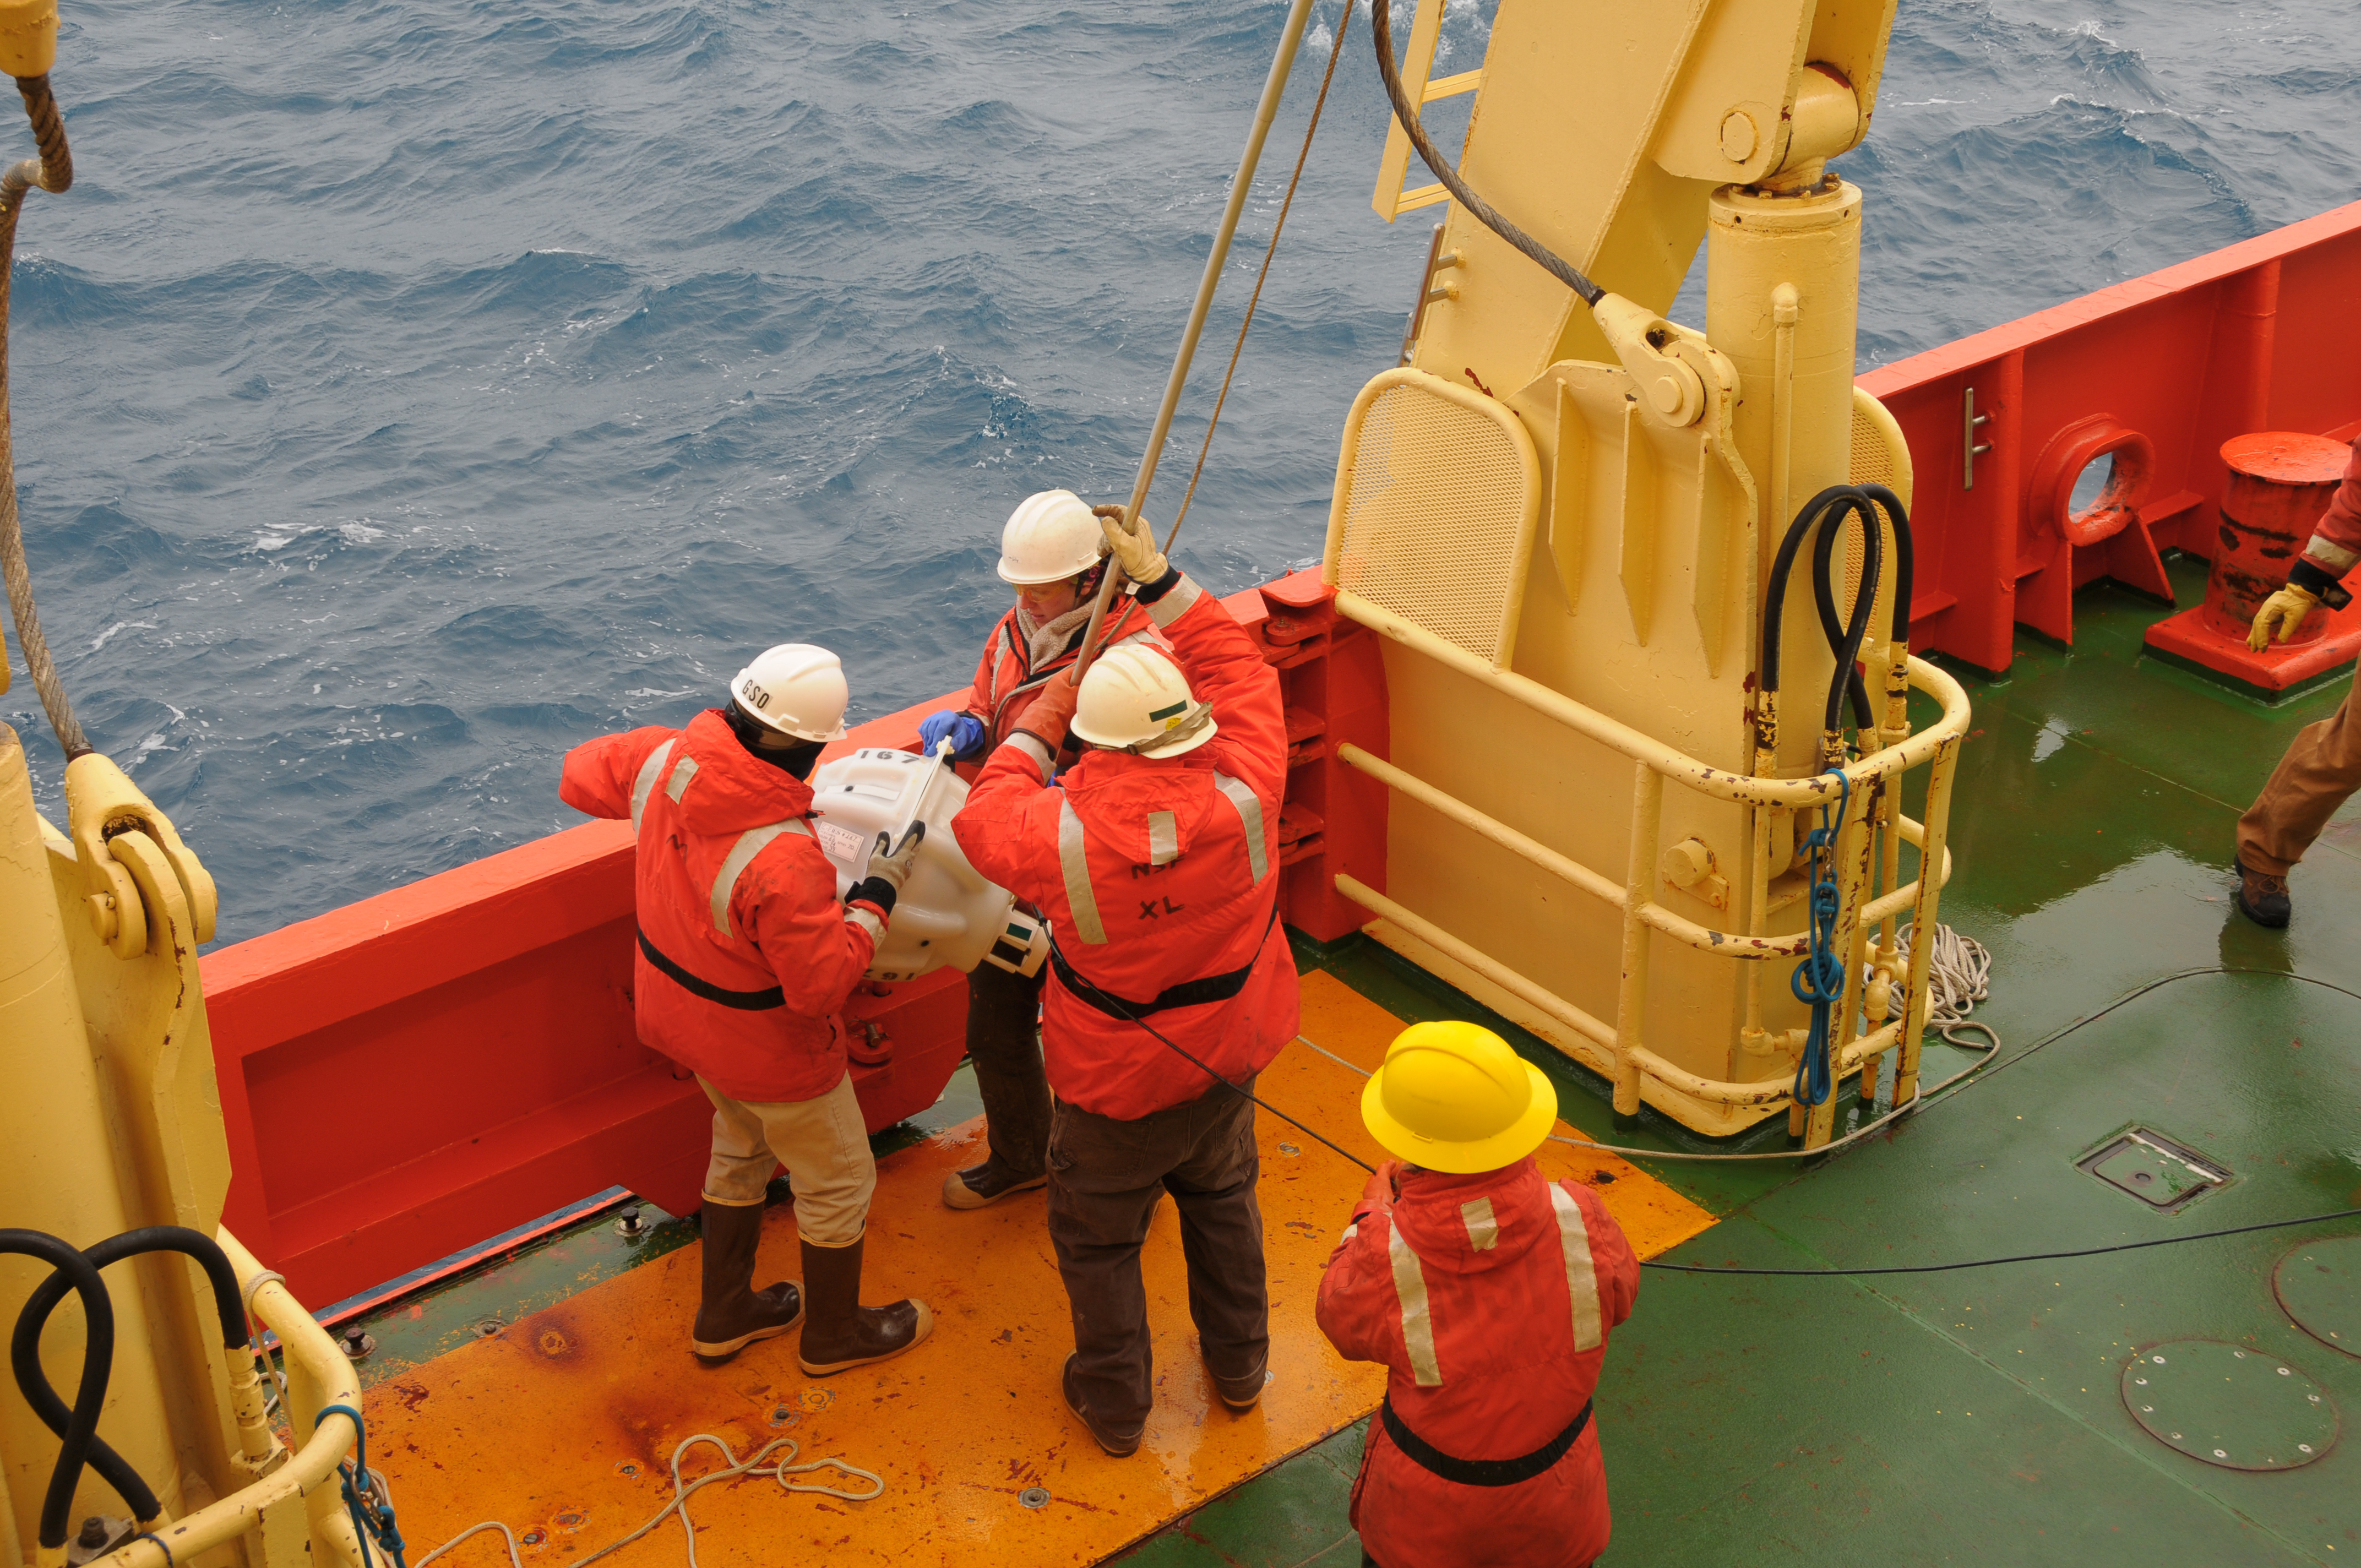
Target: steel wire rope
51, 172
684, 1490
1381, 30
1270, 252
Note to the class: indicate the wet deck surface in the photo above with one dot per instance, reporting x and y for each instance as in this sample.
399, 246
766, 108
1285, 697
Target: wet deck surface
1972, 1416
564, 1422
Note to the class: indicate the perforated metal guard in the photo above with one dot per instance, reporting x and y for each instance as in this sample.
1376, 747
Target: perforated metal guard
1879, 458
1436, 499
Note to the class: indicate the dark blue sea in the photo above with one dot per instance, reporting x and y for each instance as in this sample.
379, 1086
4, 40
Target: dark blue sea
408, 389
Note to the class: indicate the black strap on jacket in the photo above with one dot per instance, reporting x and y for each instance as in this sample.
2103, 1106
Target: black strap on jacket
1482, 1472
745, 1000
1188, 994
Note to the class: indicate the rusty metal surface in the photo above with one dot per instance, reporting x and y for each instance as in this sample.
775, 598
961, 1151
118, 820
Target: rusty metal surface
564, 1424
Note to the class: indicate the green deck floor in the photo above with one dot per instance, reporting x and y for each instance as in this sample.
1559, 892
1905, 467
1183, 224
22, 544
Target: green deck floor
1974, 1418
1967, 1418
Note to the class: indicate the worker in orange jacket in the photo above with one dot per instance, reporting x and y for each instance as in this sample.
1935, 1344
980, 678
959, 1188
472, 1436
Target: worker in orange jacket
1157, 865
745, 956
1052, 554
1487, 1291
2322, 765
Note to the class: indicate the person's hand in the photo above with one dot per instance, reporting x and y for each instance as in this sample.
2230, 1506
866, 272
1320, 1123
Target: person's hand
1052, 710
965, 731
1134, 547
2280, 615
889, 868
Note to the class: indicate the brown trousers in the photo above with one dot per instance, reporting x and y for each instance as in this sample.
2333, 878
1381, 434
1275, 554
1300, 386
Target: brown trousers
1105, 1179
2322, 768
1003, 1042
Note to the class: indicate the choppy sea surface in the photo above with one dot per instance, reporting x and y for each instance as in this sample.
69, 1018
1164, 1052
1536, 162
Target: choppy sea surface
408, 389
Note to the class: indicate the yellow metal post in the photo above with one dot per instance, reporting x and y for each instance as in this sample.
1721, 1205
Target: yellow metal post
1939, 774
1632, 998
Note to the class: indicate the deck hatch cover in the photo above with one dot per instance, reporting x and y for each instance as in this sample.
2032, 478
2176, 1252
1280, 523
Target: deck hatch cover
2153, 1169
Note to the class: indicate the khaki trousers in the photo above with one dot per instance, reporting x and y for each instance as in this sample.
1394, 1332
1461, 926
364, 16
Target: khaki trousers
822, 1143
2322, 768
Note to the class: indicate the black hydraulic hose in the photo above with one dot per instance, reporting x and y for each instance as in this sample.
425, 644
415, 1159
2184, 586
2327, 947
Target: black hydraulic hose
81, 1429
1381, 29
1774, 608
1849, 635
228, 1305
1905, 557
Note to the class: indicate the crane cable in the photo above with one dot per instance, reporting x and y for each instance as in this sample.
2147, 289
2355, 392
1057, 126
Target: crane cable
1381, 28
1335, 51
51, 172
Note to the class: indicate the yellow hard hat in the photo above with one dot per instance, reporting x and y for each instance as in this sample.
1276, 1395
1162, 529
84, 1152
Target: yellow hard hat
1454, 1097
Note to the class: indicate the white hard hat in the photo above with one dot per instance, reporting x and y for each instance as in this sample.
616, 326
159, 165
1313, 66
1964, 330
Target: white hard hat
1135, 699
796, 689
1051, 537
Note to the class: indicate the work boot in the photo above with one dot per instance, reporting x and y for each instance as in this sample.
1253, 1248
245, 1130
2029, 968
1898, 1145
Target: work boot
981, 1186
2263, 898
842, 1332
1121, 1444
733, 1314
1240, 1394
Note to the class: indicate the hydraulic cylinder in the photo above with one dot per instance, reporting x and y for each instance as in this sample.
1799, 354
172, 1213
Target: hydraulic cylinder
1783, 289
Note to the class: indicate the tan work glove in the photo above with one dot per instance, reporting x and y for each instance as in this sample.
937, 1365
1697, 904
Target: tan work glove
2280, 615
1134, 548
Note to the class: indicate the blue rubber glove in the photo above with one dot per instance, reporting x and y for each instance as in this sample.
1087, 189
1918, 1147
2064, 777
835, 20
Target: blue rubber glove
965, 730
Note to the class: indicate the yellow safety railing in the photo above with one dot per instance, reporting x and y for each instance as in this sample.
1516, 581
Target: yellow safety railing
1873, 819
318, 1375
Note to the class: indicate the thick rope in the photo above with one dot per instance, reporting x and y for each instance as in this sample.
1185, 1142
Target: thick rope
53, 171
1335, 51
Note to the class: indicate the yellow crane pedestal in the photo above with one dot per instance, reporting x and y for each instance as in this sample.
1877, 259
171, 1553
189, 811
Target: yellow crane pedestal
1570, 554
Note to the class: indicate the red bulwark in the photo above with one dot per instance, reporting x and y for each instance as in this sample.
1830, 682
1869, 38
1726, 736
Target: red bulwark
2149, 378
405, 1076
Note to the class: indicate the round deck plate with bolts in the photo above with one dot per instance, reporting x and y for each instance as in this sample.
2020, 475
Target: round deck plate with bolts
2229, 1404
2319, 1285
1034, 1497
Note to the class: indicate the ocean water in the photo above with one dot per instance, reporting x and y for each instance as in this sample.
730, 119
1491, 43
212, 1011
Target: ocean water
408, 389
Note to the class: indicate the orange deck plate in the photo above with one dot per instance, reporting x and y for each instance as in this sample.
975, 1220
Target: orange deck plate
565, 1425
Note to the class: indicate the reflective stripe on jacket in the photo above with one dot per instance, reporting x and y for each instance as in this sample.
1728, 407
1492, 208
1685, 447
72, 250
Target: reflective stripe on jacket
1160, 879
1490, 1298
744, 955
2335, 541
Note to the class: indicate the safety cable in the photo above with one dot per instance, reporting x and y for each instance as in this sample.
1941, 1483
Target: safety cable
1406, 113
683, 1490
53, 173
1335, 51
2019, 1257
1115, 1005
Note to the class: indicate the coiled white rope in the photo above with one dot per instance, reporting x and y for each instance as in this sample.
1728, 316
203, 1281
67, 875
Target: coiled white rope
1959, 976
682, 1490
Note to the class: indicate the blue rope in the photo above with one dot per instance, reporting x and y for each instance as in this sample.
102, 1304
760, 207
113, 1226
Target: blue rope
370, 1518
1820, 980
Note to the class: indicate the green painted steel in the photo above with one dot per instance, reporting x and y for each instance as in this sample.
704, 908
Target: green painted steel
2320, 1287
2226, 1405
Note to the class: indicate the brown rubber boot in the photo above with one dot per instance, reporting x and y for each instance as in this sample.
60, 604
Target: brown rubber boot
2262, 898
842, 1332
734, 1314
981, 1186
